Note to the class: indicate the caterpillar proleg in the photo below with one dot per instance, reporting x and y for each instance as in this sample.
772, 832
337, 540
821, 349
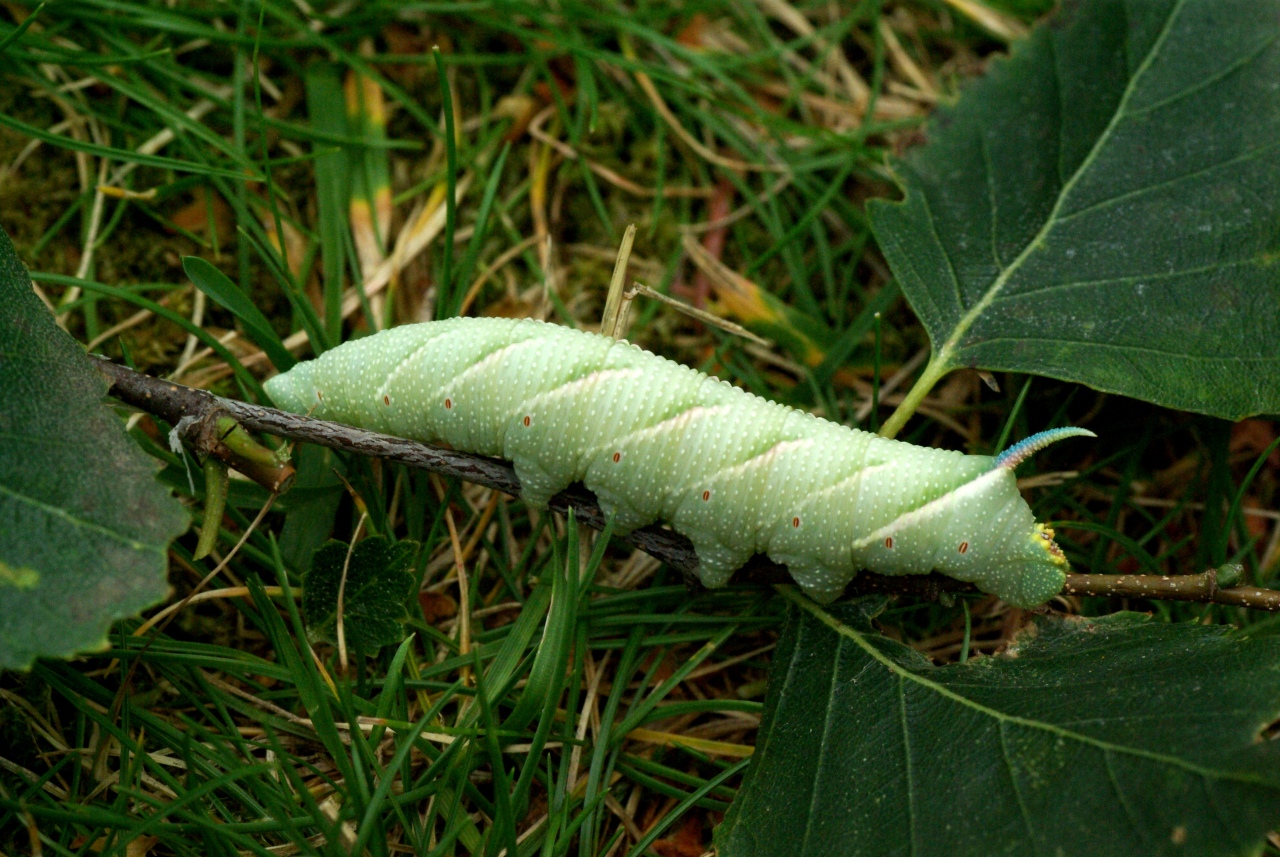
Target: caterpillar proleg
657, 441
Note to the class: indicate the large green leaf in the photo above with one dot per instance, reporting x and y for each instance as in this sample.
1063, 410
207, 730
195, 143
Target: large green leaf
1118, 736
1104, 206
84, 526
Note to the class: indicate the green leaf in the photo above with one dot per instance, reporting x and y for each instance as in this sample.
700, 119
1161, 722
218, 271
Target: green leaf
1102, 207
84, 526
327, 110
311, 504
379, 581
1115, 736
218, 286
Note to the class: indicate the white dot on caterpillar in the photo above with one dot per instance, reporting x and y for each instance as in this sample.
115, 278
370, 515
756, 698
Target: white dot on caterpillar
964, 547
888, 542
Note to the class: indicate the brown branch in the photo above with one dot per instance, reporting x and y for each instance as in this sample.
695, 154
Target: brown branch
1177, 587
172, 402
202, 419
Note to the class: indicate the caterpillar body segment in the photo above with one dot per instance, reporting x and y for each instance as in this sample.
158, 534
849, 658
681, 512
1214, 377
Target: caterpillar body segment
657, 441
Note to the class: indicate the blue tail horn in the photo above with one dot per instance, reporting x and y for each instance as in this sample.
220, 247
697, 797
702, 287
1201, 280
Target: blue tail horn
1021, 451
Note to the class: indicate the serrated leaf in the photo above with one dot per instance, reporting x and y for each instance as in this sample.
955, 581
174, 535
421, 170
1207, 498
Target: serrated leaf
1102, 207
1116, 736
379, 581
84, 525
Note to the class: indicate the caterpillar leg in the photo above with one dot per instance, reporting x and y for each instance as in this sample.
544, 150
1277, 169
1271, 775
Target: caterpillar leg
820, 583
626, 517
537, 485
717, 562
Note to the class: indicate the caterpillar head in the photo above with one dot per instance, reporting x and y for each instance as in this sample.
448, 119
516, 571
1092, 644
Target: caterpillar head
1037, 569
288, 390
1042, 536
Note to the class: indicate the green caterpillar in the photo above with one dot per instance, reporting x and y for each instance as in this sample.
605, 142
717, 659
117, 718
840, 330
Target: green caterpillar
657, 441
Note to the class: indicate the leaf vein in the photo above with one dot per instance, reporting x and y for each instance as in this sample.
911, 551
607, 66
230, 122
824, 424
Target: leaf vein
1086, 343
946, 352
908, 762
81, 523
1251, 154
906, 675
823, 755
1259, 261
951, 265
1017, 789
1129, 814
991, 202
1209, 80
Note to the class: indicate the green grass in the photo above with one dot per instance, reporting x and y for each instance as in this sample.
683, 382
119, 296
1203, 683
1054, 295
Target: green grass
236, 734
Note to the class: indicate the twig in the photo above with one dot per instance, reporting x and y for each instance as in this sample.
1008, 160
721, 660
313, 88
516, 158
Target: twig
202, 419
701, 315
340, 626
207, 595
173, 401
1179, 587
611, 322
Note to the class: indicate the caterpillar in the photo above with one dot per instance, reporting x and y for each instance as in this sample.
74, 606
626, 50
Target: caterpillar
658, 441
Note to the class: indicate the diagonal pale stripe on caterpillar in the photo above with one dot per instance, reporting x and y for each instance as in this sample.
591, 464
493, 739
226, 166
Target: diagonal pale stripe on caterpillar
654, 440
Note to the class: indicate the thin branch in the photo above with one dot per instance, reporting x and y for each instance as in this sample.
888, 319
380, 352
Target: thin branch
202, 419
172, 402
1178, 587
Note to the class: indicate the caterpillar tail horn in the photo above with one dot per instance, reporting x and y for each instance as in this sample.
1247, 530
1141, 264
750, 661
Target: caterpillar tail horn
1024, 449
